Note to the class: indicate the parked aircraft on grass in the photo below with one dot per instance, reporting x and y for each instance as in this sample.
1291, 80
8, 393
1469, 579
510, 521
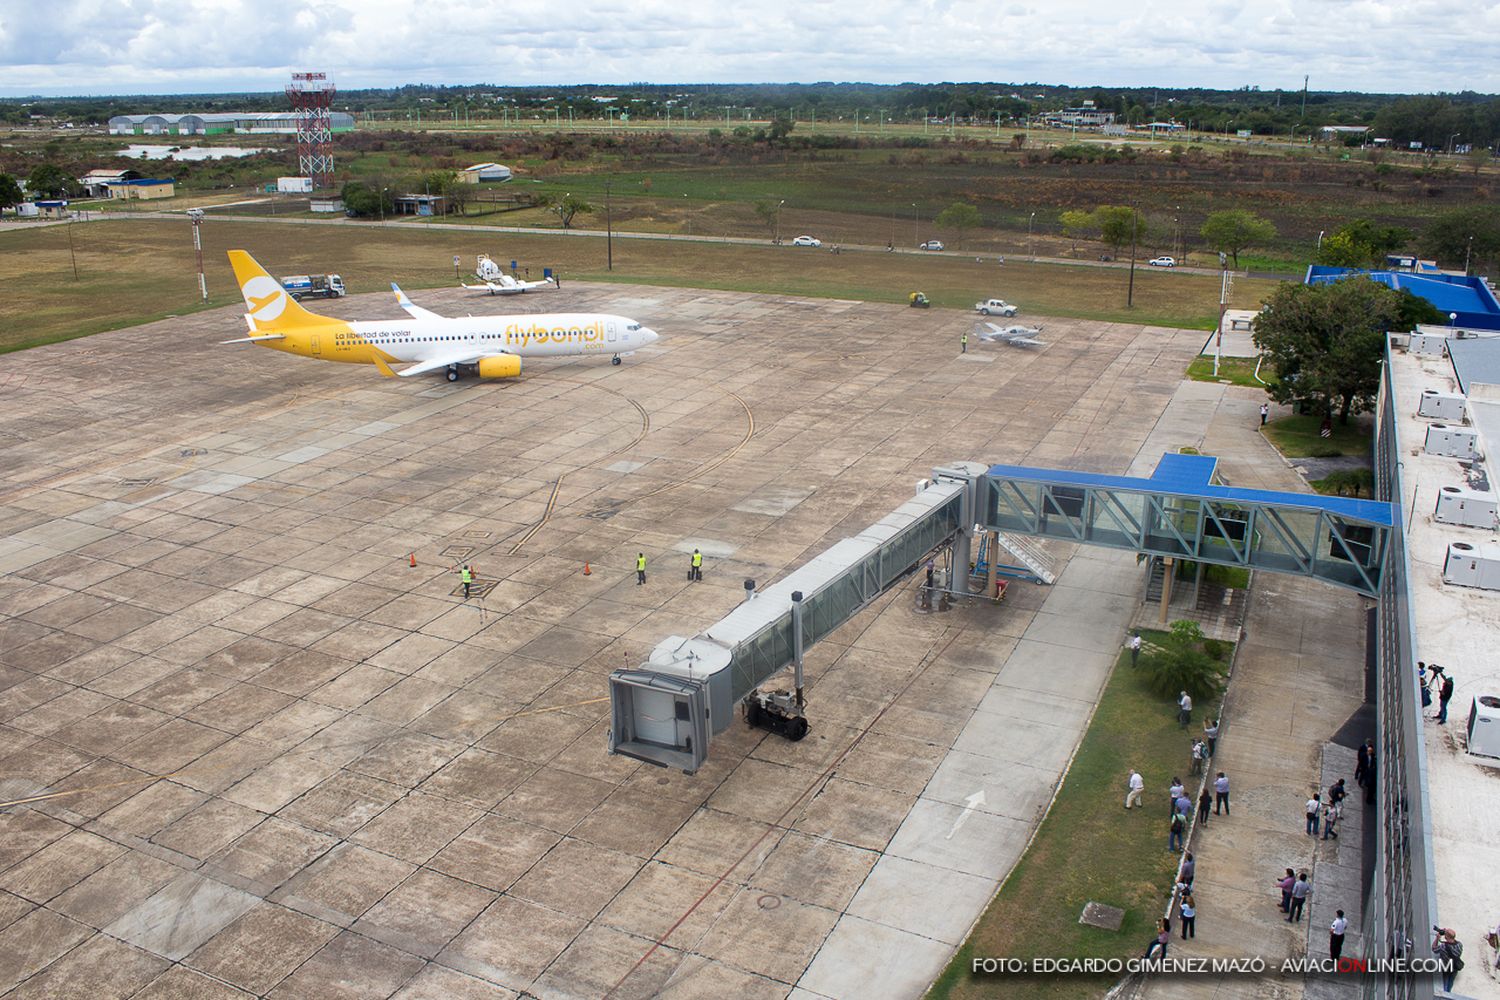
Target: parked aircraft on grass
490, 346
1015, 336
497, 282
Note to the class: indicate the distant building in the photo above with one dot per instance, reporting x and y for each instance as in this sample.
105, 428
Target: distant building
294, 185
420, 204
1338, 133
1085, 115
239, 123
142, 188
43, 209
95, 183
480, 173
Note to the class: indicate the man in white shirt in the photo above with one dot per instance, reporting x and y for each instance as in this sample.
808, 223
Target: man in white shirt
1134, 645
1221, 793
1184, 710
1173, 794
1336, 936
1137, 785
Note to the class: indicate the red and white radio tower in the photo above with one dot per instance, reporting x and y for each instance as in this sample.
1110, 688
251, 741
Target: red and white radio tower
312, 96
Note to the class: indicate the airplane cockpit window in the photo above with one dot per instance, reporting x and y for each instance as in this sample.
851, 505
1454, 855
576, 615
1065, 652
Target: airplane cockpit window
632, 326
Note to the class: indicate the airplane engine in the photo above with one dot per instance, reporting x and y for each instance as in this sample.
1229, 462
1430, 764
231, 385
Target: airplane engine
500, 366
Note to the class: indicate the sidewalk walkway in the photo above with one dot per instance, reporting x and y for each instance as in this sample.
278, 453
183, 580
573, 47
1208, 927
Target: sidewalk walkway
1299, 676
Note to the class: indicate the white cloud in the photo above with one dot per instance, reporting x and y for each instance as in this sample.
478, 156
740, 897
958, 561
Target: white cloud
120, 46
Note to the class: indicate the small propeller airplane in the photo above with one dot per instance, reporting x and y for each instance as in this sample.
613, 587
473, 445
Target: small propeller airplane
497, 282
1015, 336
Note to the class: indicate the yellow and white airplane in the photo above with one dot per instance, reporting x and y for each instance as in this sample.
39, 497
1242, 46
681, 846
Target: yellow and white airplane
491, 346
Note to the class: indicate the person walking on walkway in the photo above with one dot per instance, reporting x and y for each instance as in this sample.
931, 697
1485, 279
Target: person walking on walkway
1184, 710
1301, 889
1336, 935
695, 569
640, 568
1362, 762
1134, 645
1449, 953
1173, 794
1337, 794
1285, 885
1211, 734
1204, 801
466, 577
1174, 838
1314, 807
1197, 753
1188, 910
1371, 772
1136, 786
1265, 412
1330, 818
1188, 870
1221, 793
1444, 694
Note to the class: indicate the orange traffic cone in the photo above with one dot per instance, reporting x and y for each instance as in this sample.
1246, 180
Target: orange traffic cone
413, 557
586, 570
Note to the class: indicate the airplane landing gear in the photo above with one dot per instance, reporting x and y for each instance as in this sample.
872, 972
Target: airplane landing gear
615, 360
453, 373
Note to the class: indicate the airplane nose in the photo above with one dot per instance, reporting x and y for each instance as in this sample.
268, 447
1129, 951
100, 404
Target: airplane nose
651, 336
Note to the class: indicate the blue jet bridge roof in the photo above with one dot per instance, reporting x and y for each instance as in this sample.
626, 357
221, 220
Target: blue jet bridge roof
1192, 476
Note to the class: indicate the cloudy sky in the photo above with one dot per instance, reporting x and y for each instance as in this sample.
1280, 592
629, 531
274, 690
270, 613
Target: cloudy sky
68, 47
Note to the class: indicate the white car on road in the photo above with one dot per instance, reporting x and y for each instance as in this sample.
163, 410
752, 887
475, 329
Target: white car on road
807, 241
931, 245
1163, 262
995, 307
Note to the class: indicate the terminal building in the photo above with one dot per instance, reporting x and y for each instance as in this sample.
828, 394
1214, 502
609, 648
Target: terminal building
225, 123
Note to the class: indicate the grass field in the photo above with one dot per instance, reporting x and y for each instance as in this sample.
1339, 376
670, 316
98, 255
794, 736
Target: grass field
1088, 849
1298, 437
133, 271
1234, 371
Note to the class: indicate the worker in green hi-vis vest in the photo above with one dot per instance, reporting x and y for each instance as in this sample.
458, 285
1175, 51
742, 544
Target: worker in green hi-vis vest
467, 576
695, 571
640, 568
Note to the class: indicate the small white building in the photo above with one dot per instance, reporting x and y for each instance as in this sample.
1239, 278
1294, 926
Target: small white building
481, 173
294, 185
331, 205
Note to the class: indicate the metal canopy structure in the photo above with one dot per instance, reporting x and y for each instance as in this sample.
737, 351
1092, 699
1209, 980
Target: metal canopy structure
1179, 513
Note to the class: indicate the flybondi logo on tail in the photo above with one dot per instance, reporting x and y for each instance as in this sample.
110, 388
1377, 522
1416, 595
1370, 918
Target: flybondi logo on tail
265, 297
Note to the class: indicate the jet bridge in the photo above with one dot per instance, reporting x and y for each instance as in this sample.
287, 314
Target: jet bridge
666, 711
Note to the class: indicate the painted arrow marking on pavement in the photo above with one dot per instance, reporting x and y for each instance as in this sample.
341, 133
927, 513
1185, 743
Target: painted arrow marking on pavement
970, 804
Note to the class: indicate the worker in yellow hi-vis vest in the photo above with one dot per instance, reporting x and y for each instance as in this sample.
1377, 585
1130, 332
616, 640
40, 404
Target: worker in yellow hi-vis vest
963, 343
640, 568
466, 575
695, 571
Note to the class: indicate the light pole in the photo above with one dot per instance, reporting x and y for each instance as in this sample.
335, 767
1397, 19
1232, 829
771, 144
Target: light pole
382, 205
1468, 252
1455, 135
195, 215
1177, 231
609, 230
686, 214
1030, 242
1320, 238
1130, 289
915, 237
777, 237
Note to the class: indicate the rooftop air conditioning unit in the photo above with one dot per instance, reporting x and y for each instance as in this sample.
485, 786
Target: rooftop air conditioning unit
1472, 566
1484, 726
1472, 509
1452, 442
1431, 344
1441, 405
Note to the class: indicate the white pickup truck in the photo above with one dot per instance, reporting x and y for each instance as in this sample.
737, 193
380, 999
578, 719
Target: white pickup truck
995, 307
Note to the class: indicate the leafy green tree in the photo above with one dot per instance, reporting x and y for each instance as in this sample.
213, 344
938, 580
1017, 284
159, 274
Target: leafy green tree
1234, 229
364, 200
781, 127
47, 180
1448, 238
1326, 342
565, 208
1341, 250
10, 192
1479, 158
767, 211
1119, 225
1362, 243
958, 218
1078, 224
1179, 661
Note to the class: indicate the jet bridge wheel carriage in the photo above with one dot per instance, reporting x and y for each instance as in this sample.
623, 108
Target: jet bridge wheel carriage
776, 712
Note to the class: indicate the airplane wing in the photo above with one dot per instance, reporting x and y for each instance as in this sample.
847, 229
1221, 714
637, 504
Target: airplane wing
466, 356
492, 288
412, 309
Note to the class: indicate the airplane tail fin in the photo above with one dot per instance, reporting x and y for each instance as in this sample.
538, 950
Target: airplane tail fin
268, 306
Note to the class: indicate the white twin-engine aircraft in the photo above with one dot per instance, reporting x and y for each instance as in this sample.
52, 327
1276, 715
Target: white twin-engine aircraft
497, 282
490, 346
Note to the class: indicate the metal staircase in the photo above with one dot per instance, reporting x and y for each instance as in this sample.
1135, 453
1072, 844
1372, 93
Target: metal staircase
1030, 555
